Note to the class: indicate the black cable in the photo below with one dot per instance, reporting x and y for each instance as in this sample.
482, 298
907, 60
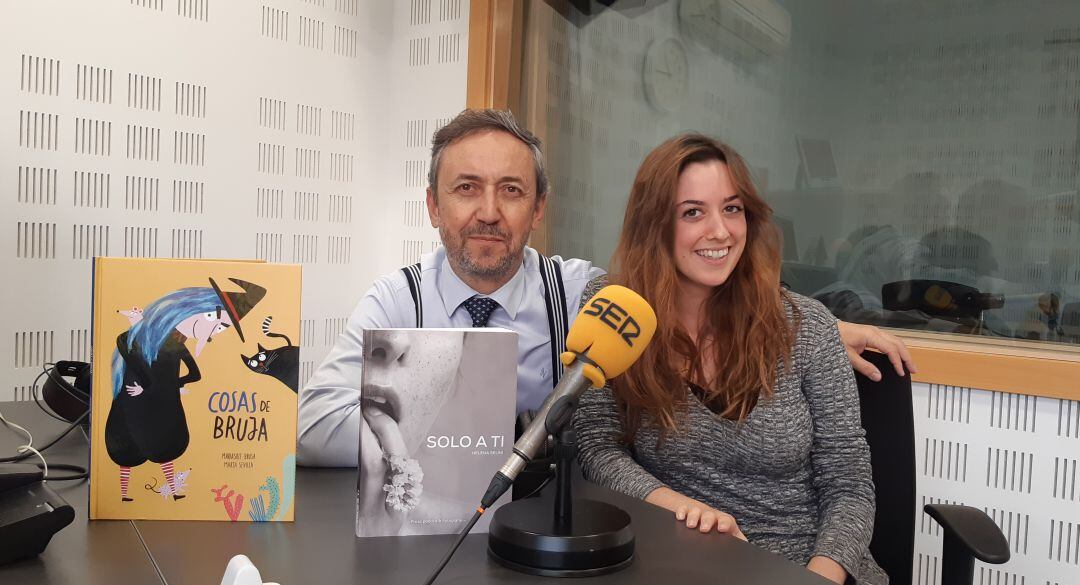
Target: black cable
47, 411
500, 482
80, 472
46, 370
37, 399
460, 539
75, 424
63, 384
542, 485
28, 454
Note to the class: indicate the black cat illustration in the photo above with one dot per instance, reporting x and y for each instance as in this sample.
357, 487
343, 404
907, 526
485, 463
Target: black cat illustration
282, 363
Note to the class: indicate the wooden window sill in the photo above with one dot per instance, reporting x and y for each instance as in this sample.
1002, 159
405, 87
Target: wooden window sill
1034, 369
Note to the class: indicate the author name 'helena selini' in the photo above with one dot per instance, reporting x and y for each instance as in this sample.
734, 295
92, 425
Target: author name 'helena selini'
465, 441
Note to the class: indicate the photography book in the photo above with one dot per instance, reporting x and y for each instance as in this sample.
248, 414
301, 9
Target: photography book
194, 389
437, 421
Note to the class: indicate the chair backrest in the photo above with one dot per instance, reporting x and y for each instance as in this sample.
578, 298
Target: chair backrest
890, 432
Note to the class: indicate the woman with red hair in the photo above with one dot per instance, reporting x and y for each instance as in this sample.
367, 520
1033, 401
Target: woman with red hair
742, 415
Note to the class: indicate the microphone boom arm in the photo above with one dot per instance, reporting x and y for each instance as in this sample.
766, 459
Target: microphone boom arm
580, 374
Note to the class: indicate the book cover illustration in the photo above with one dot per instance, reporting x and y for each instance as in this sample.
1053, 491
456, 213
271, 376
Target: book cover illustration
437, 422
195, 389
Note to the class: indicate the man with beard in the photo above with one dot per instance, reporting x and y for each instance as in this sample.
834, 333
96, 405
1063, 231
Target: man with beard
487, 191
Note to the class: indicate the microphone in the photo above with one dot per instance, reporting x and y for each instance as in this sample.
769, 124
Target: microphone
609, 334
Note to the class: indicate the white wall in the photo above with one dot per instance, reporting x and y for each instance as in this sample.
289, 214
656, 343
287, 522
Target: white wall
308, 122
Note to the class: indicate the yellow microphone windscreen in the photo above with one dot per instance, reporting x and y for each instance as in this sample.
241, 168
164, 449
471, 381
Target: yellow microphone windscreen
613, 329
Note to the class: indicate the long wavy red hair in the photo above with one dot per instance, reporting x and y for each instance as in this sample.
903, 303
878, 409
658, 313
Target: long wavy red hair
746, 331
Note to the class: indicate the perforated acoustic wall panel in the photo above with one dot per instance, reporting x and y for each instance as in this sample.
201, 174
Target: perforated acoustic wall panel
1014, 457
434, 62
286, 130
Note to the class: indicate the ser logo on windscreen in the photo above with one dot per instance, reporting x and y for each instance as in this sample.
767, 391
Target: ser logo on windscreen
615, 317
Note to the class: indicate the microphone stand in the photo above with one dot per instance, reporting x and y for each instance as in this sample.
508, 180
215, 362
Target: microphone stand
565, 452
570, 537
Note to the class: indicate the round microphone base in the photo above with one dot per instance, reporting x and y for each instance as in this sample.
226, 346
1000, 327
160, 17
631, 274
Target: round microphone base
524, 536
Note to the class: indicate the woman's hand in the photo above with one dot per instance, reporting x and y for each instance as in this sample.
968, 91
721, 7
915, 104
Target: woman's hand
380, 429
706, 518
695, 514
134, 389
373, 471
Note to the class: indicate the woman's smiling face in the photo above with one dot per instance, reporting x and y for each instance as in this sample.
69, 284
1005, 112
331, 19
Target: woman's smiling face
710, 227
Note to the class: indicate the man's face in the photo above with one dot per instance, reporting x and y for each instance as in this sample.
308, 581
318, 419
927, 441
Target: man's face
486, 206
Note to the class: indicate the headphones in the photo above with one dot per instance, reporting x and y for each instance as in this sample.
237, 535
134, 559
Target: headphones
69, 400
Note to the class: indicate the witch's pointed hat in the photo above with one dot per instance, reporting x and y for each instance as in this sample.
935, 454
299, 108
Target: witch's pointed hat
238, 304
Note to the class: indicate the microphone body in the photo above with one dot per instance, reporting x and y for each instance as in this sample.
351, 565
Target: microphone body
555, 412
609, 334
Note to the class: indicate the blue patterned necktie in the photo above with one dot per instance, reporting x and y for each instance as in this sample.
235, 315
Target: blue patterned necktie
480, 309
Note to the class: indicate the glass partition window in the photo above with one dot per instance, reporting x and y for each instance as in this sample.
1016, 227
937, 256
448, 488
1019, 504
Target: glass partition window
921, 156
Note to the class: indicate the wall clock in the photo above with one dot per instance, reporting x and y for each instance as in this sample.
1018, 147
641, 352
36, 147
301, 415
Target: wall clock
666, 75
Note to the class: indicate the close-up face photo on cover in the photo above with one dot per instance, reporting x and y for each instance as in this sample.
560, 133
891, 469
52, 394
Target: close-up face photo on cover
502, 291
424, 440
407, 378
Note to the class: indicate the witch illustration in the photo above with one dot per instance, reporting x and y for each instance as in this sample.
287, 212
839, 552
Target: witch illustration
146, 421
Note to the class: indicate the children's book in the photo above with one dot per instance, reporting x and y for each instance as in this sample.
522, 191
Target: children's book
437, 409
194, 398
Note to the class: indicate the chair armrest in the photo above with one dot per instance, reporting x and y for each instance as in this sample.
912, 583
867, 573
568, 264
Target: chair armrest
973, 530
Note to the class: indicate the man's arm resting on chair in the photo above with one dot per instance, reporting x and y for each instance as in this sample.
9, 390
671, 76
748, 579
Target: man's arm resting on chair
858, 338
328, 428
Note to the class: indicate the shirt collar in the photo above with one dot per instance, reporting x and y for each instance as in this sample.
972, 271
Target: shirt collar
454, 291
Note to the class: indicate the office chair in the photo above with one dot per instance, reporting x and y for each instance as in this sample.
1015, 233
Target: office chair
890, 432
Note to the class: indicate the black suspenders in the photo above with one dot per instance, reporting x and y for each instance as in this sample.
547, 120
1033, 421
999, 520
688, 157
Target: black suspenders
551, 274
554, 293
412, 274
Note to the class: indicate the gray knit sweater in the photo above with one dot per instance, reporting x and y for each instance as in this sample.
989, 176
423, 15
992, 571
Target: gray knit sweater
795, 474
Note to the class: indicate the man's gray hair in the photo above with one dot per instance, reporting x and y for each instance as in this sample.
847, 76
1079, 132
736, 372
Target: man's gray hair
471, 121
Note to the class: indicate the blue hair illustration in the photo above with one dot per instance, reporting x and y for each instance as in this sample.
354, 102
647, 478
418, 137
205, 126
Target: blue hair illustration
159, 320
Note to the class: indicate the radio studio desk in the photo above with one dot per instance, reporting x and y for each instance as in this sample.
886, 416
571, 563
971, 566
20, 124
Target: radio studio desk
320, 547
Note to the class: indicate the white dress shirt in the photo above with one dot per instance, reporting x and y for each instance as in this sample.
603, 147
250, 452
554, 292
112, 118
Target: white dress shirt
329, 418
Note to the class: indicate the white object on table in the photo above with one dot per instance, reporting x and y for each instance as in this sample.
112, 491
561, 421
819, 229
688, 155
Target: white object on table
241, 571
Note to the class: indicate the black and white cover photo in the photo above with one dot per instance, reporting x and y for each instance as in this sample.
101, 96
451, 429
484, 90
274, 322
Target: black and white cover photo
438, 420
